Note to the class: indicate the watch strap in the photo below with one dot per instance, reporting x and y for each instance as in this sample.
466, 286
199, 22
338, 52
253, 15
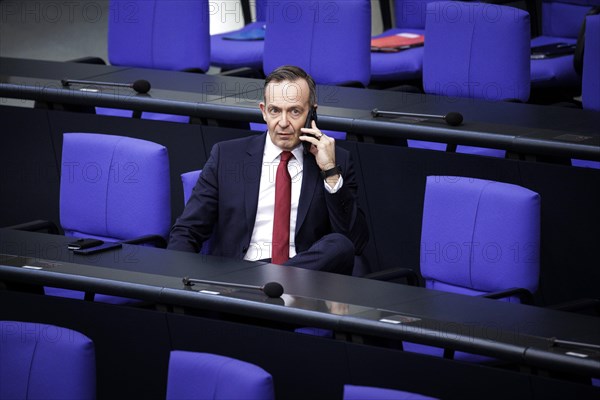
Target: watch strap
332, 171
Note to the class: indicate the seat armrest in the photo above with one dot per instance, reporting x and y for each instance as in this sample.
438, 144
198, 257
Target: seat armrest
38, 225
156, 240
523, 294
244, 72
89, 60
578, 305
393, 274
194, 70
352, 84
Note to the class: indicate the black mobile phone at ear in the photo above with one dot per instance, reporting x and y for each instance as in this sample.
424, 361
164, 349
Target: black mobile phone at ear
312, 116
84, 243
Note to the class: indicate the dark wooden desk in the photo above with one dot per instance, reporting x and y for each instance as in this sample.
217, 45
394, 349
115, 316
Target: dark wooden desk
32, 143
519, 336
524, 130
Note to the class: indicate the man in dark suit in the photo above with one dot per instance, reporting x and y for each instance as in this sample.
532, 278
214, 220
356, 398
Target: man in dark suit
233, 202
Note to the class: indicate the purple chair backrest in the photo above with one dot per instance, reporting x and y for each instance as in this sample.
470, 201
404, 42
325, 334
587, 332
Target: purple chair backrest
331, 39
39, 361
563, 18
210, 376
355, 392
162, 34
463, 56
479, 236
590, 95
410, 13
261, 10
189, 179
114, 187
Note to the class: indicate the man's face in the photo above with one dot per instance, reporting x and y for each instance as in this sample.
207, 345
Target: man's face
285, 110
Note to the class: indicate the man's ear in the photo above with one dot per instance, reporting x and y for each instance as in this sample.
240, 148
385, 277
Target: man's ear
262, 109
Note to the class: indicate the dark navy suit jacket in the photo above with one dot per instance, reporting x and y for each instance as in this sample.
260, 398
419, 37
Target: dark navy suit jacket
224, 201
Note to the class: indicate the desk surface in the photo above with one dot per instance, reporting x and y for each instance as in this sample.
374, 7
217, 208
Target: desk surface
354, 305
519, 128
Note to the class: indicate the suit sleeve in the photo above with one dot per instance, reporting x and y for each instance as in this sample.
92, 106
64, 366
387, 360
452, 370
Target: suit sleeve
195, 225
345, 215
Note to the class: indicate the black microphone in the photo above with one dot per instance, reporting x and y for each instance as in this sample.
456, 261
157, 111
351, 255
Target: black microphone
271, 289
452, 118
140, 86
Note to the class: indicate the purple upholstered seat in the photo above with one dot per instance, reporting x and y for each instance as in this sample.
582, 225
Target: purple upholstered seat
188, 180
405, 65
478, 237
210, 376
331, 39
229, 54
354, 392
590, 90
590, 87
465, 57
171, 35
158, 34
39, 361
561, 22
112, 188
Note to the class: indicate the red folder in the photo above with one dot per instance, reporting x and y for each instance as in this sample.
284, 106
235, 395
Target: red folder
397, 42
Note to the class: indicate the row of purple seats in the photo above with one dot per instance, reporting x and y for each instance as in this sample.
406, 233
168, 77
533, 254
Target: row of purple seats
335, 45
42, 361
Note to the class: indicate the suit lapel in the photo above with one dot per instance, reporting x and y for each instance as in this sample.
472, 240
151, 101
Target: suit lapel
310, 180
251, 171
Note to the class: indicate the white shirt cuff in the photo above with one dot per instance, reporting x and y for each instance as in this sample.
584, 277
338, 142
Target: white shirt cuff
338, 186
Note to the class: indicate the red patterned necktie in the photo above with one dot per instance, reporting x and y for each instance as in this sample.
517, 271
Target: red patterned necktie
281, 219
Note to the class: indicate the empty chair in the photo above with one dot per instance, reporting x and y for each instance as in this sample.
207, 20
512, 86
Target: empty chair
479, 238
590, 88
405, 65
39, 361
113, 188
159, 34
330, 40
354, 392
464, 58
242, 48
561, 23
209, 376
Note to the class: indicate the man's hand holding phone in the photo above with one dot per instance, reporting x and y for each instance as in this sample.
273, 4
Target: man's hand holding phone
321, 146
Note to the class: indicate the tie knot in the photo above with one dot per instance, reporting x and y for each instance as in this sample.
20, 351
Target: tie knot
285, 156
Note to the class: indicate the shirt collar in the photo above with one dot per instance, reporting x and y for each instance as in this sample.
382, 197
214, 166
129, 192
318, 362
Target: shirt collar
272, 152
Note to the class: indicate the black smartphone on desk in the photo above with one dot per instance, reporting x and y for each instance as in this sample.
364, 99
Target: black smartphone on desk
98, 249
84, 243
552, 50
312, 116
